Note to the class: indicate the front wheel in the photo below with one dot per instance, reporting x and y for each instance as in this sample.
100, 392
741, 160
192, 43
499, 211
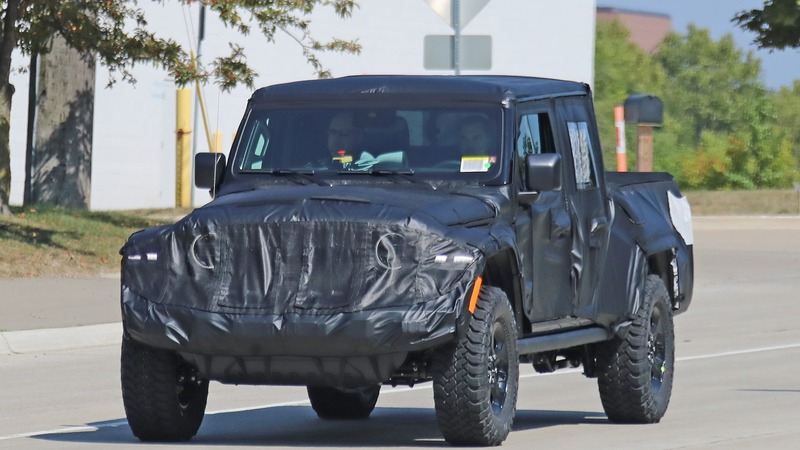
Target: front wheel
333, 403
475, 381
164, 397
635, 373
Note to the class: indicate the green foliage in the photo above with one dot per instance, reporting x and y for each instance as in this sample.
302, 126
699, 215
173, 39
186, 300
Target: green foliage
721, 130
777, 25
787, 110
117, 32
712, 83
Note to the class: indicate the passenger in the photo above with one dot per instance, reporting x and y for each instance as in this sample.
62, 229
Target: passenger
475, 137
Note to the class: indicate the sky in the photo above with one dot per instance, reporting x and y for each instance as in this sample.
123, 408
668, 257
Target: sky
779, 68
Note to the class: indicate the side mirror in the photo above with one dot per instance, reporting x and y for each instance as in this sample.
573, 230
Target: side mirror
208, 170
543, 172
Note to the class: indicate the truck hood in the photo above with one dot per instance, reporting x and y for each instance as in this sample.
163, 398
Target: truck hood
447, 208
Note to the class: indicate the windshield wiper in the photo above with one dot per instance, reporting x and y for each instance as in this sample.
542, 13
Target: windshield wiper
304, 174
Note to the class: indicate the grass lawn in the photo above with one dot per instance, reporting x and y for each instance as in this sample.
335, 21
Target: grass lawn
748, 203
50, 241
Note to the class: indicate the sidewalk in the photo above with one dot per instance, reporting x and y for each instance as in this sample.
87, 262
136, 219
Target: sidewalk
49, 314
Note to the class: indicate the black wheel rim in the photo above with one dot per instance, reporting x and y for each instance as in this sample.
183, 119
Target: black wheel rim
657, 350
498, 368
188, 385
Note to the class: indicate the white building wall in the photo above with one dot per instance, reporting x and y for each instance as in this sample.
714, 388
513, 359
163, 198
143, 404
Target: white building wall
134, 152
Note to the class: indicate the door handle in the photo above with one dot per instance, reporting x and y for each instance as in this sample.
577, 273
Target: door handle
560, 226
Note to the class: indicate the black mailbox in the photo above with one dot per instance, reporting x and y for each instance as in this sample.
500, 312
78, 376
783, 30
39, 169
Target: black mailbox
642, 109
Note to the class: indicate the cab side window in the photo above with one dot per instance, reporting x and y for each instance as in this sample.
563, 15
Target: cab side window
534, 136
257, 141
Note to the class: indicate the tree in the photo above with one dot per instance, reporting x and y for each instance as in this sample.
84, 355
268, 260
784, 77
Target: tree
722, 128
713, 84
726, 115
776, 25
787, 105
61, 156
115, 33
621, 69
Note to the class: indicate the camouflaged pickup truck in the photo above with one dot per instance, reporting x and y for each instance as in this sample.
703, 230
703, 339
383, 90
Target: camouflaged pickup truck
374, 231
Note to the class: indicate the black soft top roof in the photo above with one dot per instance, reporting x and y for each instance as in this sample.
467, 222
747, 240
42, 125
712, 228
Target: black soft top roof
494, 88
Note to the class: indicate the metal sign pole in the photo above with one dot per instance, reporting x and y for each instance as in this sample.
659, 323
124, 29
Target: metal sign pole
456, 25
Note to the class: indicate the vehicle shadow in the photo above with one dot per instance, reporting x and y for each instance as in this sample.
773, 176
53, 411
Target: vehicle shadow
37, 236
298, 426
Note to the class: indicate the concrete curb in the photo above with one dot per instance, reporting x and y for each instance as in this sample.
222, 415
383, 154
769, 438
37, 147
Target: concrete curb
56, 339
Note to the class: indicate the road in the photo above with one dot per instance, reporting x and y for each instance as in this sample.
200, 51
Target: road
736, 383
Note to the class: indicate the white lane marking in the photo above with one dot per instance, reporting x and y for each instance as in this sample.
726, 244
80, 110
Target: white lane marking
80, 429
118, 423
740, 352
253, 408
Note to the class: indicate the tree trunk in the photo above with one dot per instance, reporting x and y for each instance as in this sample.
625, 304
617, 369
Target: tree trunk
8, 40
62, 152
6, 92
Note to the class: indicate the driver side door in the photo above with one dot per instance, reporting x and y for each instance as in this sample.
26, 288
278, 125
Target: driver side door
544, 226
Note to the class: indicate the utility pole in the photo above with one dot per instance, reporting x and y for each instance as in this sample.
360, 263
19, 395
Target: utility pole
201, 34
33, 100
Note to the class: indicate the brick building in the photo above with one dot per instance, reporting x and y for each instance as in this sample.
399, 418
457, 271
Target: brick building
647, 29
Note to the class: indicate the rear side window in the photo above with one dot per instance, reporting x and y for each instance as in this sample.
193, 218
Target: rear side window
582, 154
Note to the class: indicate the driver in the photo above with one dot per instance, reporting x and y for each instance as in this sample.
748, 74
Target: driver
343, 137
475, 136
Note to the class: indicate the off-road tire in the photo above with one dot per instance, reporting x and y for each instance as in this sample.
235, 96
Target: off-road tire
333, 403
475, 381
635, 373
164, 397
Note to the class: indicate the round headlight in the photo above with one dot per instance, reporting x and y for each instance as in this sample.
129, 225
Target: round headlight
389, 251
203, 252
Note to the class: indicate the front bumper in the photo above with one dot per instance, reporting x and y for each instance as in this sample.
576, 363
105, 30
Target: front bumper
370, 332
343, 349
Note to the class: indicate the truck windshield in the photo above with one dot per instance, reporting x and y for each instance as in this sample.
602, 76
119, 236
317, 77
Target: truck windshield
444, 143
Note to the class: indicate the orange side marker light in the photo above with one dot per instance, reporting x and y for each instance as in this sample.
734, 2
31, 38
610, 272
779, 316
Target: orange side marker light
476, 291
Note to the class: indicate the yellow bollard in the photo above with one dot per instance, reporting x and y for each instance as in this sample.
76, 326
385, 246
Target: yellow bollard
183, 148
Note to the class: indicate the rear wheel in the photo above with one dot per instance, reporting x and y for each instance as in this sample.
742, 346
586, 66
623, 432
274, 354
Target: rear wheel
333, 403
475, 381
635, 373
164, 396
